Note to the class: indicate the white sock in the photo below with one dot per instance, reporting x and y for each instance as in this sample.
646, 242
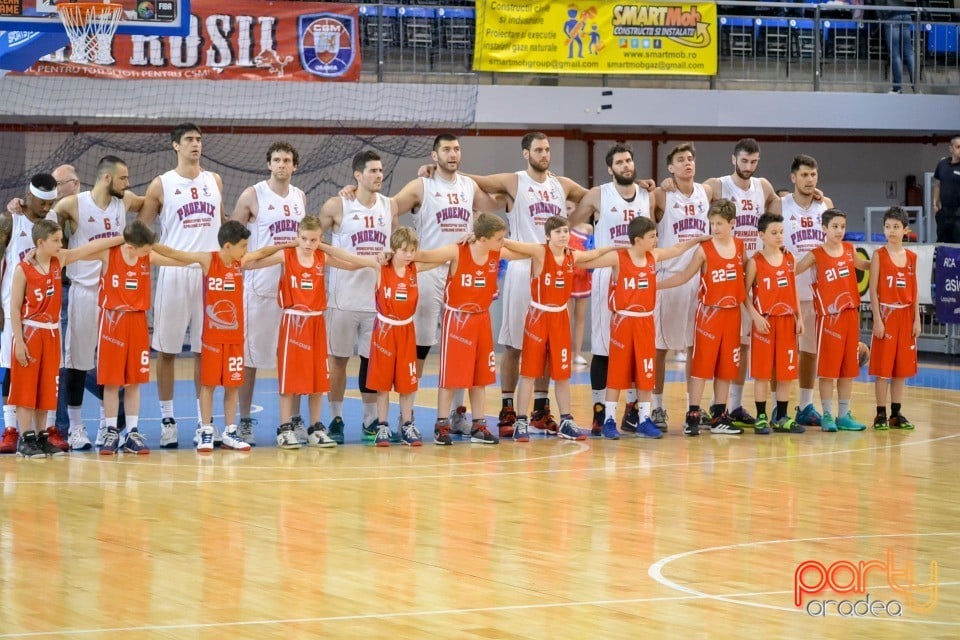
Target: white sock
611, 410
539, 395
736, 396
806, 397
10, 416
844, 408
132, 422
773, 397
827, 405
658, 401
458, 396
336, 408
644, 409
166, 409
369, 412
598, 395
111, 423
52, 418
632, 395
199, 415
74, 414
231, 428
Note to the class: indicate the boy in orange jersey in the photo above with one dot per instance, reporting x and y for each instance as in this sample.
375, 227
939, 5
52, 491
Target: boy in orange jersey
716, 340
896, 319
123, 349
836, 301
632, 298
467, 359
393, 344
774, 305
546, 330
35, 316
302, 343
221, 354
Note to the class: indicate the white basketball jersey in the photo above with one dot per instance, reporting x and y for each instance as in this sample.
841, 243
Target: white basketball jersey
750, 206
278, 218
802, 232
190, 218
444, 217
21, 241
615, 214
536, 201
684, 218
365, 232
94, 223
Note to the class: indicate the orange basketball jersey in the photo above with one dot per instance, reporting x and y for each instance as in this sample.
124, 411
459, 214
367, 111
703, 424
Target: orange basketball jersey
223, 303
125, 287
552, 288
42, 296
835, 281
635, 288
898, 285
397, 295
473, 286
775, 288
721, 281
302, 288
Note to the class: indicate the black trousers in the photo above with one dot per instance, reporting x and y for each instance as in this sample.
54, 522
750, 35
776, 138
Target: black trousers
948, 225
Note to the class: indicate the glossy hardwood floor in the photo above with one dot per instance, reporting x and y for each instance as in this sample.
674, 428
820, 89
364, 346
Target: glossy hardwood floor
675, 538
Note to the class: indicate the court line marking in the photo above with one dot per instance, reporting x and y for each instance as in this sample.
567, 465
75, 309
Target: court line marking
656, 571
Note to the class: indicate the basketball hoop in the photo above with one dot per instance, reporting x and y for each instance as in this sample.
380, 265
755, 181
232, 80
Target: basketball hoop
90, 27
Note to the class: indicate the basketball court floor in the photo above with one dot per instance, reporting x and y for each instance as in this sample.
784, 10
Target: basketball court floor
709, 537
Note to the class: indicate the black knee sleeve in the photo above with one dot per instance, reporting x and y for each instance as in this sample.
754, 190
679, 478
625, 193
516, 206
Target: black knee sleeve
75, 380
423, 352
6, 383
362, 376
598, 372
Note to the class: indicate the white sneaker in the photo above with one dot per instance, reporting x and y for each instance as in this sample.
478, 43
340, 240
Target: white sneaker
246, 431
300, 429
317, 436
205, 438
232, 440
580, 361
169, 438
287, 439
78, 440
101, 434
217, 438
459, 422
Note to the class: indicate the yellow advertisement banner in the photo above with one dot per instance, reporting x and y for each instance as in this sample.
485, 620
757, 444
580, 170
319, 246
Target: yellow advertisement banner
662, 38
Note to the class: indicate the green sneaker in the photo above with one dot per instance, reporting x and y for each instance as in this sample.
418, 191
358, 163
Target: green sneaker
827, 423
901, 422
847, 423
369, 432
760, 426
786, 424
336, 430
880, 422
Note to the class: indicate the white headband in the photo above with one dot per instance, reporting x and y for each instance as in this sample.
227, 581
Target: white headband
43, 195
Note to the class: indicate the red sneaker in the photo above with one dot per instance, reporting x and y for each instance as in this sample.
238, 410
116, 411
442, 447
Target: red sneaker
11, 437
506, 419
544, 421
54, 438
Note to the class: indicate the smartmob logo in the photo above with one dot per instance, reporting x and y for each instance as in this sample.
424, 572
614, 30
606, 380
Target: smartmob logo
813, 580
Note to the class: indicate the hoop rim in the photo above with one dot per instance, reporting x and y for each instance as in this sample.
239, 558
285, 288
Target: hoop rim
75, 13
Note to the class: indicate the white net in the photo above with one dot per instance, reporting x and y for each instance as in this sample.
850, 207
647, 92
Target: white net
90, 27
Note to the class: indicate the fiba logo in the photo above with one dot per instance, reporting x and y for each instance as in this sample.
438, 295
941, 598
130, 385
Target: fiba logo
328, 43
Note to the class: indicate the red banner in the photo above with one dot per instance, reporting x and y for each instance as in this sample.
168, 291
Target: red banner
249, 40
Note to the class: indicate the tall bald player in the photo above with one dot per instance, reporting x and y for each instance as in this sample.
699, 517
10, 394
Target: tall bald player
272, 210
611, 207
188, 200
533, 195
90, 215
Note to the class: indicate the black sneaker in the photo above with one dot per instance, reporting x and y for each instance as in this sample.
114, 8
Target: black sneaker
741, 418
722, 424
481, 435
692, 424
599, 415
336, 430
441, 433
29, 447
631, 418
48, 448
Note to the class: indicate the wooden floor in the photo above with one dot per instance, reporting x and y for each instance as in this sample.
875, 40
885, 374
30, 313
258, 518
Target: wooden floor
676, 538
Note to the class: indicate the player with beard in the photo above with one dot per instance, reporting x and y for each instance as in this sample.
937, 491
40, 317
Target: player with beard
611, 207
90, 215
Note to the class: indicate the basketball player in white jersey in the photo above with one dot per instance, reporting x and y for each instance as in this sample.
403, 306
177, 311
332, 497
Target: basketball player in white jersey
16, 240
532, 196
89, 215
272, 210
610, 206
188, 201
361, 226
802, 232
680, 215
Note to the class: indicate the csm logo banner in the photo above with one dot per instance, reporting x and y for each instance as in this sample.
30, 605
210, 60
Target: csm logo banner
328, 44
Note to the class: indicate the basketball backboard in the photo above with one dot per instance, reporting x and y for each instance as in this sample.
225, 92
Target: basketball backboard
140, 17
